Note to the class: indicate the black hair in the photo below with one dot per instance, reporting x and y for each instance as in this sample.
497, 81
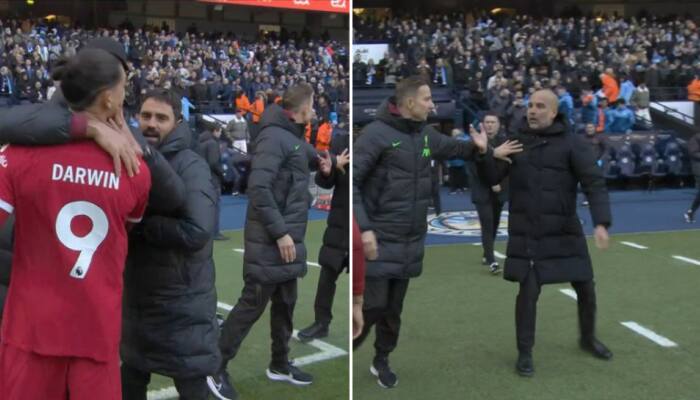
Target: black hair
84, 76
168, 97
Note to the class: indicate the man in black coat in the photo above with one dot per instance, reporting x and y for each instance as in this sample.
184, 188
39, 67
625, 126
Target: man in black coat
391, 194
546, 242
210, 150
694, 153
169, 315
334, 254
275, 253
489, 199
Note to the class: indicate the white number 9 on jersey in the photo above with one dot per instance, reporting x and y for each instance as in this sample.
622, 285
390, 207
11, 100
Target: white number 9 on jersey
88, 244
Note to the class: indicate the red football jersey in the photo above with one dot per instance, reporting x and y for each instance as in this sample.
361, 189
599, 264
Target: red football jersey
70, 245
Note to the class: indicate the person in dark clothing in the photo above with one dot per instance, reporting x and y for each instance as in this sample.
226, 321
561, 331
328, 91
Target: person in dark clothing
275, 253
211, 152
54, 123
489, 199
391, 194
169, 315
546, 242
334, 254
694, 152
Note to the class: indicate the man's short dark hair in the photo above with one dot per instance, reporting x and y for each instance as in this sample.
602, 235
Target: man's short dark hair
408, 87
490, 114
296, 96
166, 96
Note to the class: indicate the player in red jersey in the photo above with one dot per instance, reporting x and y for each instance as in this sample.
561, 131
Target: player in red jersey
62, 322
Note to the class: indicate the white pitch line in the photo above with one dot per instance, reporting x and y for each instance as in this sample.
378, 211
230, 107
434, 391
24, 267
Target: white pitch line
499, 255
686, 259
308, 262
635, 245
476, 244
569, 292
649, 334
327, 352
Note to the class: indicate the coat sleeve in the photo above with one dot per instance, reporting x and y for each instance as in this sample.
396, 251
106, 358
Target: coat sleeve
444, 147
168, 191
214, 159
587, 172
269, 156
491, 171
367, 150
36, 124
193, 227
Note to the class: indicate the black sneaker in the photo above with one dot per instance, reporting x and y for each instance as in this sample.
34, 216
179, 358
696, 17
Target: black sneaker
290, 374
316, 330
494, 268
689, 217
219, 236
386, 378
220, 386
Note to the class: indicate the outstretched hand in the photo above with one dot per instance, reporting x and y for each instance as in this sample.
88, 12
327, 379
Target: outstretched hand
342, 160
507, 148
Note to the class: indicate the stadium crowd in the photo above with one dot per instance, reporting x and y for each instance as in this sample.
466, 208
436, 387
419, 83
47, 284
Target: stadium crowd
500, 62
210, 69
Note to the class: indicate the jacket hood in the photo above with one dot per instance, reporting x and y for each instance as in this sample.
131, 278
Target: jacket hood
274, 115
388, 113
178, 140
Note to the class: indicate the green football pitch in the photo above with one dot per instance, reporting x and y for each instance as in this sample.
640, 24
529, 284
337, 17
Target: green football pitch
327, 361
458, 336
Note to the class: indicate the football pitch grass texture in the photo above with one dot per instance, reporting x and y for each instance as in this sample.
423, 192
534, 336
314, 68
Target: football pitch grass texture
248, 368
458, 329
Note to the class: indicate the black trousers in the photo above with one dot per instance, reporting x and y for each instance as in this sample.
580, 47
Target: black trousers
696, 200
383, 302
458, 178
135, 385
489, 218
249, 308
526, 310
325, 293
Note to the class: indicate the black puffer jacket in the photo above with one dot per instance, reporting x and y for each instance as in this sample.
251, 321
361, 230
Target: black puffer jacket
392, 187
169, 294
210, 151
480, 191
544, 230
279, 200
334, 251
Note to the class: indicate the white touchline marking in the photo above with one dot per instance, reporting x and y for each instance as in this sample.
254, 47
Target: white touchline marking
649, 334
499, 255
569, 292
308, 262
327, 352
686, 259
635, 245
476, 244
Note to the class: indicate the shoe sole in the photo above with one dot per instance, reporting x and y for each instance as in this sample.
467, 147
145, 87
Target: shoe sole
526, 374
213, 390
374, 372
306, 339
285, 378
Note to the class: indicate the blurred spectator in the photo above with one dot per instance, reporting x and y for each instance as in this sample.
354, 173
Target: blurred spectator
621, 118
